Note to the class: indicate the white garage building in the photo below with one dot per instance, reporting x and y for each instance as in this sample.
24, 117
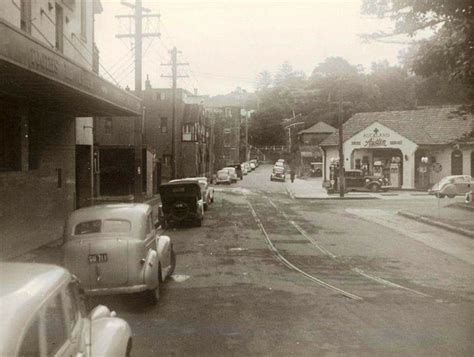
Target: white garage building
413, 148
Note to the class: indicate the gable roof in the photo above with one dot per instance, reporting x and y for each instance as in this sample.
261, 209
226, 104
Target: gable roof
426, 126
319, 128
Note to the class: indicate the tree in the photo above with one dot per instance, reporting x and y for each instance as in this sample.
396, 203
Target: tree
335, 67
449, 50
264, 80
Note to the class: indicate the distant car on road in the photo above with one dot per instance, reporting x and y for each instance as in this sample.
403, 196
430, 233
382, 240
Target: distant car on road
252, 165
452, 186
232, 173
115, 249
278, 174
42, 314
355, 180
238, 170
316, 169
244, 169
223, 176
247, 166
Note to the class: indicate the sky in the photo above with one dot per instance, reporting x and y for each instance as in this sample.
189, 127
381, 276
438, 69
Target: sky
228, 42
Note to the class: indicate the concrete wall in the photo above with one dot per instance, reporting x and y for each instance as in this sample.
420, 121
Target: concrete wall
76, 47
33, 206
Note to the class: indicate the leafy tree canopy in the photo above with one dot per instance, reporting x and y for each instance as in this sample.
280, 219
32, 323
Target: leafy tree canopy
450, 50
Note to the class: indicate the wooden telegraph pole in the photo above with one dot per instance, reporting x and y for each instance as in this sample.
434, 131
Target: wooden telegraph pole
174, 76
341, 138
138, 36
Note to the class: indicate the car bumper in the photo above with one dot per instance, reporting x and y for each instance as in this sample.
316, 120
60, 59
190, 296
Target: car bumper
281, 178
117, 290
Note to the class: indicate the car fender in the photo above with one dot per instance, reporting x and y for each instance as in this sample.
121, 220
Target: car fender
110, 336
163, 247
150, 274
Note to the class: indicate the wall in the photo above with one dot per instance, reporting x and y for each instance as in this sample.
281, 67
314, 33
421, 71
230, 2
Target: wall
33, 208
76, 47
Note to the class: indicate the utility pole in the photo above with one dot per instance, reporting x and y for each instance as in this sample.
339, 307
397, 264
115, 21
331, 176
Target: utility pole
138, 36
341, 136
174, 76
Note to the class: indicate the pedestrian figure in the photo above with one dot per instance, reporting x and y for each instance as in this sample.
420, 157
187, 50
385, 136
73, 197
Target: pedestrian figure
292, 175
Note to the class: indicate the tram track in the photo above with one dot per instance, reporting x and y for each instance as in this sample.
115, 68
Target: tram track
291, 266
325, 251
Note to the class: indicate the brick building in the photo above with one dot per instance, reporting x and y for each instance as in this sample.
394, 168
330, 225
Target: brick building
48, 79
227, 132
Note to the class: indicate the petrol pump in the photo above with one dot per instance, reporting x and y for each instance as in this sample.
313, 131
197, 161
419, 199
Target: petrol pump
378, 169
395, 172
333, 175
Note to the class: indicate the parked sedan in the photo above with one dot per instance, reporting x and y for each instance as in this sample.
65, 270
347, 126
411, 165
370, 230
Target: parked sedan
223, 176
452, 186
115, 249
42, 314
207, 191
232, 172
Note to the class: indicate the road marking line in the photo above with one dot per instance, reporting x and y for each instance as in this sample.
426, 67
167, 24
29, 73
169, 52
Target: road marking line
386, 282
292, 266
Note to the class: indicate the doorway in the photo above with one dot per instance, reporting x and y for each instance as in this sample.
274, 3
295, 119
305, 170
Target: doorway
456, 162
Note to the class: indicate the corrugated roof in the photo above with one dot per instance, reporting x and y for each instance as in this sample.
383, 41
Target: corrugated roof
319, 128
425, 126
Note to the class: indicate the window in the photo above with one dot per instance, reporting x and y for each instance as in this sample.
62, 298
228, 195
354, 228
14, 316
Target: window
116, 226
189, 132
25, 17
228, 112
227, 138
108, 126
164, 125
167, 160
30, 344
55, 326
89, 227
84, 20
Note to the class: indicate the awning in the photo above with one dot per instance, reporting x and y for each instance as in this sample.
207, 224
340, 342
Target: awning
36, 74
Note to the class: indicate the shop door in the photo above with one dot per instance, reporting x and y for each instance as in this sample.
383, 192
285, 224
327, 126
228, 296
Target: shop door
83, 176
456, 162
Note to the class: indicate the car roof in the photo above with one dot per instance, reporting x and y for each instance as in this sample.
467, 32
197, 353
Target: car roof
119, 210
24, 287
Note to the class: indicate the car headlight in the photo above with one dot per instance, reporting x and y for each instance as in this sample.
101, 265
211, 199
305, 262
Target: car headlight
367, 180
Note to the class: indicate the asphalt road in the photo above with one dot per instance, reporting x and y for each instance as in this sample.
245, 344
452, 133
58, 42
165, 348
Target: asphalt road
267, 275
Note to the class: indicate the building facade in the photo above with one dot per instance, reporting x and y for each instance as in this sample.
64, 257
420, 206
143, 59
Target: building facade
227, 132
48, 79
414, 148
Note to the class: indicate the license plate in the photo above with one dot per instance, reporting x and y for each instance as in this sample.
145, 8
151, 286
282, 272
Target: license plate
97, 258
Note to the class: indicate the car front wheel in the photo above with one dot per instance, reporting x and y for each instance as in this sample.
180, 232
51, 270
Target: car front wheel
374, 188
439, 195
451, 196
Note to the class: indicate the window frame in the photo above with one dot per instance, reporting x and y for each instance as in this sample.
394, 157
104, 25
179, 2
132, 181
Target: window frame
165, 127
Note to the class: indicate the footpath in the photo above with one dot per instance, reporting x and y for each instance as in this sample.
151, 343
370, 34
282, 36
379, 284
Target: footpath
50, 250
457, 217
311, 188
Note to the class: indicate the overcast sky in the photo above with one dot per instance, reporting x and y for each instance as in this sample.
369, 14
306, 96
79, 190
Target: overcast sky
228, 42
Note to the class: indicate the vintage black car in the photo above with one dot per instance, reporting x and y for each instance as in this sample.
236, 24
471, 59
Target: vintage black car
238, 170
181, 201
355, 180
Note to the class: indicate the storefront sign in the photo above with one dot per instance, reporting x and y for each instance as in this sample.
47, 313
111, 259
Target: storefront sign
21, 50
376, 138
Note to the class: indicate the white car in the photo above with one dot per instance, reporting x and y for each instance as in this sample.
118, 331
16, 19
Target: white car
223, 176
244, 169
42, 314
252, 165
232, 172
452, 186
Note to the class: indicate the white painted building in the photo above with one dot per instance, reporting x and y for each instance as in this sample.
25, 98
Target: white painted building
414, 148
